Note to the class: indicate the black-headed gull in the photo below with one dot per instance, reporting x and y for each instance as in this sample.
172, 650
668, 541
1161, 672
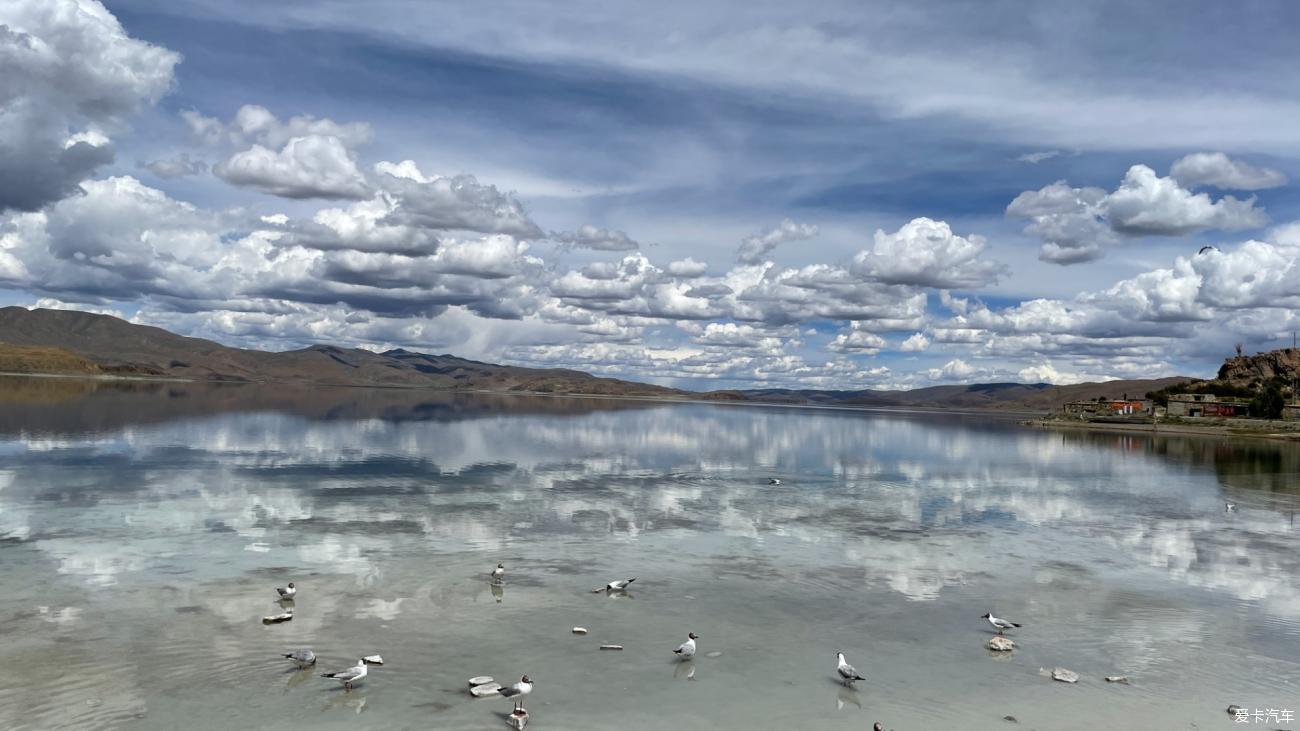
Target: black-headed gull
1001, 624
620, 585
518, 691
302, 658
286, 592
686, 650
349, 676
848, 674
499, 573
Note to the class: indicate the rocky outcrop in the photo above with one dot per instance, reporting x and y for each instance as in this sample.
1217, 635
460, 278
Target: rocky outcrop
1284, 363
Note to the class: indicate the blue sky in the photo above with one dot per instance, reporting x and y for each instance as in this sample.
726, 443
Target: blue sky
237, 170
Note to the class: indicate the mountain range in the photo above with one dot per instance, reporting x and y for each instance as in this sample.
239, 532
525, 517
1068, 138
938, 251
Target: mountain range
83, 343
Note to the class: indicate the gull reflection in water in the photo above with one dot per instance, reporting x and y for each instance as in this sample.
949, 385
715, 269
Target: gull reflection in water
847, 697
684, 670
347, 701
498, 592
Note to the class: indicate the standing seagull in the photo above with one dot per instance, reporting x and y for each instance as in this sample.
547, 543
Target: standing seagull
302, 658
687, 649
518, 691
620, 585
499, 573
1000, 624
349, 676
846, 671
286, 592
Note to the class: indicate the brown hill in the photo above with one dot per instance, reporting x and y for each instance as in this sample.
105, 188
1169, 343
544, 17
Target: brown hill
120, 346
115, 346
37, 359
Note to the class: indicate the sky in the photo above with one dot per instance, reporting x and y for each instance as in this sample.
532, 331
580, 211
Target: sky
702, 195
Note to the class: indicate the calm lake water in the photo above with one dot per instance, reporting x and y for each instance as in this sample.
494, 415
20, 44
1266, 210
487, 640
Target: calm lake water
143, 530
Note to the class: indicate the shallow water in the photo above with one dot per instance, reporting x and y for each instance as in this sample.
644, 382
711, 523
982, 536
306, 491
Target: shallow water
143, 529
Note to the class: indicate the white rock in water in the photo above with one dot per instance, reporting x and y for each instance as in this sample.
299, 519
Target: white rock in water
1065, 676
373, 660
1117, 679
485, 690
480, 680
579, 630
1001, 644
611, 647
518, 719
276, 618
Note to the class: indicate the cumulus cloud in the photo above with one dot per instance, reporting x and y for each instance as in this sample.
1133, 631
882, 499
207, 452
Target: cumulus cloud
857, 340
687, 268
306, 167
1221, 171
1078, 224
70, 75
256, 125
600, 239
176, 167
926, 253
915, 344
754, 248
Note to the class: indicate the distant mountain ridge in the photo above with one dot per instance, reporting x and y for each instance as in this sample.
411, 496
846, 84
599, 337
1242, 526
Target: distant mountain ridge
113, 345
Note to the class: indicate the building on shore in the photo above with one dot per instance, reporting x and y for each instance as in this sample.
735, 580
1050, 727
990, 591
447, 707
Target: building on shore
1291, 412
1108, 407
1207, 405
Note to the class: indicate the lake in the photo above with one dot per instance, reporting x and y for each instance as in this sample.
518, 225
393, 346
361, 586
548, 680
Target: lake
144, 527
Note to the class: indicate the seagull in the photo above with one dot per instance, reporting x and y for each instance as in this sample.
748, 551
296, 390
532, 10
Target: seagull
349, 676
687, 649
287, 592
774, 481
847, 672
302, 658
499, 573
518, 691
1000, 624
620, 585
1229, 507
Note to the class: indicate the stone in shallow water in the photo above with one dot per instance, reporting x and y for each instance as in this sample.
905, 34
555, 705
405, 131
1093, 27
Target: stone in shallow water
485, 690
480, 680
579, 630
1065, 676
373, 660
518, 719
715, 653
611, 647
1117, 679
284, 616
1001, 644
1010, 719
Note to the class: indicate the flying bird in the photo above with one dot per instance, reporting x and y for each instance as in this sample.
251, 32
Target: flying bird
349, 676
518, 691
848, 674
1229, 507
287, 592
686, 650
1000, 624
302, 658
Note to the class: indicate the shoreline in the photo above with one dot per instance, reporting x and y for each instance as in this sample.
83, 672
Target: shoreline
1208, 430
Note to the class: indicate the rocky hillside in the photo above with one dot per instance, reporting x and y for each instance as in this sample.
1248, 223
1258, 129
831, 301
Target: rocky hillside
1284, 363
36, 359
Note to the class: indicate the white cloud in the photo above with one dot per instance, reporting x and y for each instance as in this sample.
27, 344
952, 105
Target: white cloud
687, 268
915, 344
857, 340
256, 125
70, 73
1221, 171
306, 167
754, 248
926, 253
1078, 224
1033, 158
